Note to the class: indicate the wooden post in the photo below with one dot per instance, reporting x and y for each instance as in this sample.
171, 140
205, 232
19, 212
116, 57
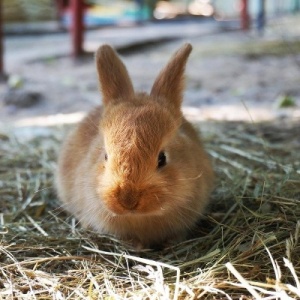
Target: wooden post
77, 26
1, 44
245, 19
60, 8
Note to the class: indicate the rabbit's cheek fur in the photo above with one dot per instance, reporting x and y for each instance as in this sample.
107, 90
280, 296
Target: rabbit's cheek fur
166, 191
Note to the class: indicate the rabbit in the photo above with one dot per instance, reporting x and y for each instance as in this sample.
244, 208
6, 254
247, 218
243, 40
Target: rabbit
135, 168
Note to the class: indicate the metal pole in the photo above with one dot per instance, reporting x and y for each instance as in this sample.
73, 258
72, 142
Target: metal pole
245, 19
77, 26
1, 43
296, 7
261, 17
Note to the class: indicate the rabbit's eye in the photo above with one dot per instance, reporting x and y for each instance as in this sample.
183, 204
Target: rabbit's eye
105, 157
162, 160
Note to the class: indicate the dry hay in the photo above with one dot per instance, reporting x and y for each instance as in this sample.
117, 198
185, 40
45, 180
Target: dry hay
246, 247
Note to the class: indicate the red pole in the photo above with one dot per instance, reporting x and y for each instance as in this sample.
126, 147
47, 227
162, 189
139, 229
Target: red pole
77, 26
1, 43
245, 19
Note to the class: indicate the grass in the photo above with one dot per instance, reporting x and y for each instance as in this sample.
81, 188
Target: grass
271, 48
247, 246
251, 48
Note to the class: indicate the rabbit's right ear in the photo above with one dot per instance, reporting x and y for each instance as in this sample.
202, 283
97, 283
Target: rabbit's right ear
114, 80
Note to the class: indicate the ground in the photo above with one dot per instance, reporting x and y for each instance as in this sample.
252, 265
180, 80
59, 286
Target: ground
242, 93
231, 75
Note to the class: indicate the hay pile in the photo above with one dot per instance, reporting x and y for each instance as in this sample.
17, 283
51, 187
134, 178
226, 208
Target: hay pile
246, 247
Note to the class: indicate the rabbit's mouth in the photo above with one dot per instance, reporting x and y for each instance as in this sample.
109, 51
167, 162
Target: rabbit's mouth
128, 200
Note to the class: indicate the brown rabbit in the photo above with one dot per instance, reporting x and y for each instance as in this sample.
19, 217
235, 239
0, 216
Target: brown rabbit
135, 168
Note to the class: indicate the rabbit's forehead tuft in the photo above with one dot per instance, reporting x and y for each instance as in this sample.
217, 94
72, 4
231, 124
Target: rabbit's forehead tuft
145, 127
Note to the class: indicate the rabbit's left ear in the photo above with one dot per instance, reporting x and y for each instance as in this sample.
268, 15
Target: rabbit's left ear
169, 84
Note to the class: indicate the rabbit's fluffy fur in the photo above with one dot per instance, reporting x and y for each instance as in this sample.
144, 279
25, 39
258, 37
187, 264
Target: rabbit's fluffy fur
135, 168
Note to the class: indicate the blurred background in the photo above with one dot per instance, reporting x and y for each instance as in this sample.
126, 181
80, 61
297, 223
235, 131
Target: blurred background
245, 65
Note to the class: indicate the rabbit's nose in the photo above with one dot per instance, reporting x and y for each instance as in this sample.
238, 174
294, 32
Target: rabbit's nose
128, 198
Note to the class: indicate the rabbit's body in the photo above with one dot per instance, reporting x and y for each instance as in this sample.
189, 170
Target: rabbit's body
136, 168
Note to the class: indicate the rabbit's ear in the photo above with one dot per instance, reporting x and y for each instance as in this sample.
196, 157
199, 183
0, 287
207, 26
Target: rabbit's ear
169, 84
114, 80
